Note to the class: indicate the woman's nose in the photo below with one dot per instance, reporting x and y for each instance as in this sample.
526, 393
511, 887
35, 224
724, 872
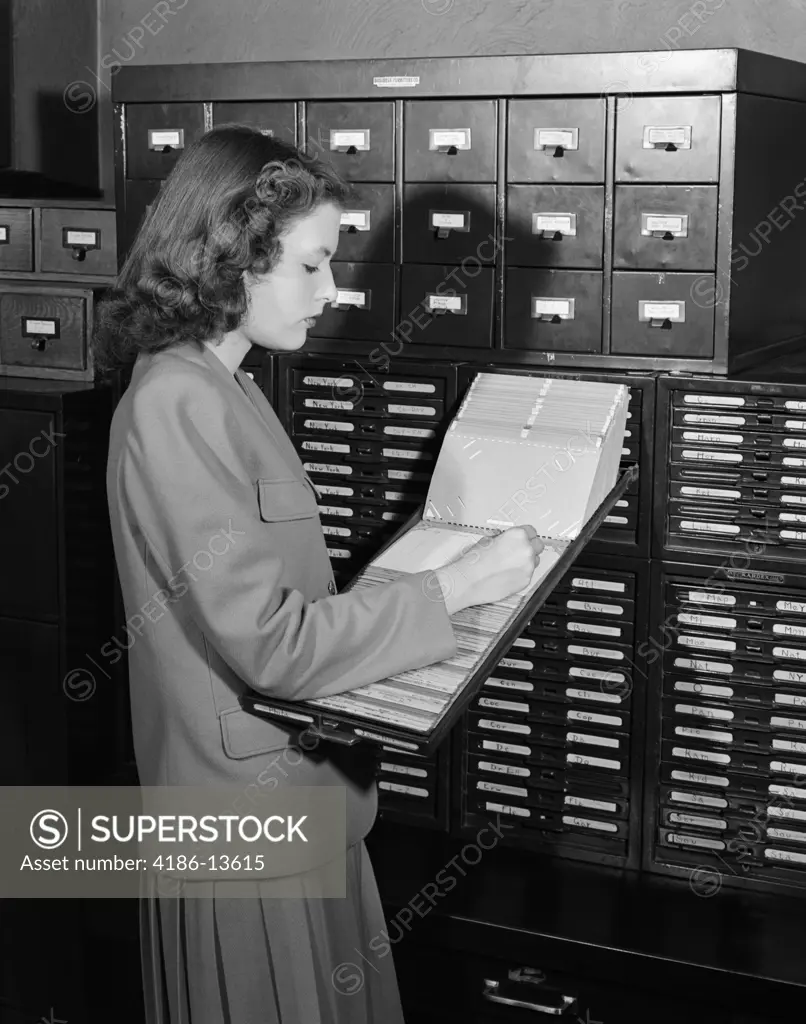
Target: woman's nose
328, 292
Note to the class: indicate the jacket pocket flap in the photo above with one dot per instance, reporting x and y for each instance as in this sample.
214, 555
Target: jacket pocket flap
245, 735
282, 500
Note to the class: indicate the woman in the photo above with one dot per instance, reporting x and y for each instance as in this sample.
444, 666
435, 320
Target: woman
236, 252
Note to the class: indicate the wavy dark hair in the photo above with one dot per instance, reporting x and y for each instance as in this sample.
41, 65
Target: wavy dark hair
222, 211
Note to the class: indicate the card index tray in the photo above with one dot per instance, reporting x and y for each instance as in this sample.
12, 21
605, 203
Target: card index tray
484, 635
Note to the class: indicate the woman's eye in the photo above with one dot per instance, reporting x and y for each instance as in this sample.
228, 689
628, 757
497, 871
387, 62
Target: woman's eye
310, 270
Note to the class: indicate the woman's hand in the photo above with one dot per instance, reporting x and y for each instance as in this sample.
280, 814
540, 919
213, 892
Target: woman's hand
491, 570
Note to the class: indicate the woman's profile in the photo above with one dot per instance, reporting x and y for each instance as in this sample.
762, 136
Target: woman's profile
220, 552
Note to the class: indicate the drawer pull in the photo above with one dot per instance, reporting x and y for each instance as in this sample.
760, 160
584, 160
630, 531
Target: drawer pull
523, 988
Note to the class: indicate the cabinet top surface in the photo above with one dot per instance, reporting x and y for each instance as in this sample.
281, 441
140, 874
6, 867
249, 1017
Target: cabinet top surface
639, 72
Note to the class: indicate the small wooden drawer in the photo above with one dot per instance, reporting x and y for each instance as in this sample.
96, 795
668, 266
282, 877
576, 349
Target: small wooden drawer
45, 331
79, 242
16, 239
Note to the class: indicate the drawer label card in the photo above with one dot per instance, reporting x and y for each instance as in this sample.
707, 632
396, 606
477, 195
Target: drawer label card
401, 453
601, 826
411, 410
788, 723
516, 663
785, 855
592, 741
795, 424
792, 700
787, 630
324, 467
617, 588
793, 499
794, 442
509, 684
713, 456
356, 139
700, 755
675, 311
699, 435
520, 812
335, 510
593, 805
714, 400
795, 406
325, 446
700, 527
505, 748
792, 535
40, 327
585, 627
358, 219
697, 841
451, 303
791, 517
404, 769
593, 719
504, 769
419, 432
595, 652
336, 492
704, 712
448, 220
350, 298
4, 237
790, 460
554, 223
706, 597
604, 698
335, 531
699, 800
704, 690
696, 665
788, 835
700, 780
396, 787
593, 762
714, 419
704, 734
326, 382
565, 138
715, 621
697, 821
789, 653
791, 745
488, 723
546, 306
339, 553
442, 138
793, 791
678, 135
83, 238
329, 403
172, 138
406, 385
787, 768
345, 428
710, 492
525, 642
670, 224
593, 606
708, 642
498, 787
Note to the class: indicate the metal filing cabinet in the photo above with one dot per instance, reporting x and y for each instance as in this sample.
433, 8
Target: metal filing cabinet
520, 206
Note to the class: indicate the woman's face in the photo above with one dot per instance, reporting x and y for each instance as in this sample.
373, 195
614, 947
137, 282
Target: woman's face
284, 303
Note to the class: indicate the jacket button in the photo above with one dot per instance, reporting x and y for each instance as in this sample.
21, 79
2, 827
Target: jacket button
331, 587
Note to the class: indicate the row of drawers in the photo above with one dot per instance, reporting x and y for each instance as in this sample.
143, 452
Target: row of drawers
730, 721
546, 310
82, 243
663, 227
673, 138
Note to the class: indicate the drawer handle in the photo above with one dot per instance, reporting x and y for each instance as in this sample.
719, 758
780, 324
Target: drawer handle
557, 1004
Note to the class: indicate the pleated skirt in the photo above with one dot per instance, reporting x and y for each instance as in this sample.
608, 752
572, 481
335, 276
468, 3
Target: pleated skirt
267, 960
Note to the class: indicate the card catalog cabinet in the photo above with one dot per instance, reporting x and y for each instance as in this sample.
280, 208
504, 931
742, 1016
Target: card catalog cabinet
522, 206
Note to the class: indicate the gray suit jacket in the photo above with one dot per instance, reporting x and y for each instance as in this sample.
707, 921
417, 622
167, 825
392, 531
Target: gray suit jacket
228, 586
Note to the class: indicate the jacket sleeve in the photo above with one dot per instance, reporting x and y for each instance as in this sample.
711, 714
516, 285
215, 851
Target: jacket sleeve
194, 500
